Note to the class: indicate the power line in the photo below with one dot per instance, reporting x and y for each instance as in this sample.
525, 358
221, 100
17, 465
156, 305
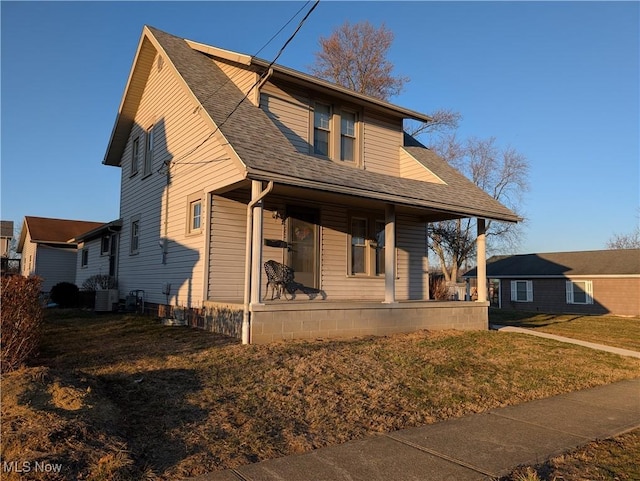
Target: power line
257, 82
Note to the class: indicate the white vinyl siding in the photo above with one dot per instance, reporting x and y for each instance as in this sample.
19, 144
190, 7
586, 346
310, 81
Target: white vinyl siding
579, 292
178, 128
522, 291
382, 140
242, 78
56, 264
97, 264
226, 259
411, 168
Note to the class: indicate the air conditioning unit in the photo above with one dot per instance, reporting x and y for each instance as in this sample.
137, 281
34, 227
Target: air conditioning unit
106, 300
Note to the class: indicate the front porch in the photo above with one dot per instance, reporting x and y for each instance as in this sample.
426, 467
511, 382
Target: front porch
279, 320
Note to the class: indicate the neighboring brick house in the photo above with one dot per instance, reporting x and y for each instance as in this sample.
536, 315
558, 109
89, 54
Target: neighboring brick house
585, 282
228, 161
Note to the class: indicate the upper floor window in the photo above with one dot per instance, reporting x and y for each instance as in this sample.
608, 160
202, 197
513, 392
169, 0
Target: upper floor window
148, 152
84, 260
321, 129
579, 292
135, 154
348, 136
522, 291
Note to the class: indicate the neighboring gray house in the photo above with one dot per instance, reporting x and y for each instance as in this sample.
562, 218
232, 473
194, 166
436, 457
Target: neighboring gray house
46, 250
228, 161
586, 282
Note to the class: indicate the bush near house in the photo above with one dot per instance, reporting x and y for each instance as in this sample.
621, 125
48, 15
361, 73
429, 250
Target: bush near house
98, 282
21, 320
65, 294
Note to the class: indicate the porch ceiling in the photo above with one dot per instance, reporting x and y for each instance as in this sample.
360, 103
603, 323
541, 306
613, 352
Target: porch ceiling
302, 195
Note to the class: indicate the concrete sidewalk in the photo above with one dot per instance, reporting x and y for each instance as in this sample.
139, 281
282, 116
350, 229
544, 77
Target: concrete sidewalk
590, 345
477, 447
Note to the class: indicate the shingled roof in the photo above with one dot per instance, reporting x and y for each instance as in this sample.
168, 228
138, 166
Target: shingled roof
613, 262
53, 231
267, 154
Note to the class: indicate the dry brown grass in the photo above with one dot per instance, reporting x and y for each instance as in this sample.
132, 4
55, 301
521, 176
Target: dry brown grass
614, 459
125, 398
623, 332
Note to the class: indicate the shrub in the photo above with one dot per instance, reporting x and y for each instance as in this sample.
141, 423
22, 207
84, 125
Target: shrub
438, 289
21, 320
99, 281
65, 294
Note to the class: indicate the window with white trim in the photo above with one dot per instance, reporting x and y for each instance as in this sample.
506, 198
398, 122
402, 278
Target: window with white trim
321, 129
579, 292
148, 152
522, 291
347, 136
105, 245
135, 154
135, 235
84, 259
367, 246
194, 214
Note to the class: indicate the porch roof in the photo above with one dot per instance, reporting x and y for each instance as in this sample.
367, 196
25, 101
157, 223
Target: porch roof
266, 154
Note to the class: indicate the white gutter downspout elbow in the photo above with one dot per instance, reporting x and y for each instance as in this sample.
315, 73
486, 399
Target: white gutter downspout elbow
248, 261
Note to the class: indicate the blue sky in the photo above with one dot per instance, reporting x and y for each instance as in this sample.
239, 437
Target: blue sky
558, 81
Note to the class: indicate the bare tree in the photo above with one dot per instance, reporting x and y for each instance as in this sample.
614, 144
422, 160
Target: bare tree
444, 121
355, 56
503, 174
626, 241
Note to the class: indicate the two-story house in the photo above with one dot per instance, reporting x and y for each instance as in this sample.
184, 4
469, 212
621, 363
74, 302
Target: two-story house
228, 161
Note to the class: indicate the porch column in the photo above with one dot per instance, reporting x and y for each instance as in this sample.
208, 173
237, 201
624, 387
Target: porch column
390, 253
481, 244
256, 244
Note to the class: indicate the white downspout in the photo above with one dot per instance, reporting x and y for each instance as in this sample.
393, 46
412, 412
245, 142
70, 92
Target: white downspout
256, 185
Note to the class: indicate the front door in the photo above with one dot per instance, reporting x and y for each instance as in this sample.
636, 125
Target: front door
303, 245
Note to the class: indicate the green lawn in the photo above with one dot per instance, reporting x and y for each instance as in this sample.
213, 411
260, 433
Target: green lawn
623, 332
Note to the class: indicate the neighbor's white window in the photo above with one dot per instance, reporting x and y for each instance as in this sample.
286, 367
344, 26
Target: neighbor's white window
105, 245
348, 137
148, 152
321, 129
579, 292
135, 154
135, 235
84, 260
522, 291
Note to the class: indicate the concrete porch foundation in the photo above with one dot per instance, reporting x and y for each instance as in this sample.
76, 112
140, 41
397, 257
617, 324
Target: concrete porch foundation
329, 320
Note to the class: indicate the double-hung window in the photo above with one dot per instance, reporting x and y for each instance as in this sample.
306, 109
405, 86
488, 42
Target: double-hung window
148, 152
135, 235
358, 246
522, 291
105, 245
579, 292
367, 246
84, 260
348, 136
194, 214
322, 129
135, 154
